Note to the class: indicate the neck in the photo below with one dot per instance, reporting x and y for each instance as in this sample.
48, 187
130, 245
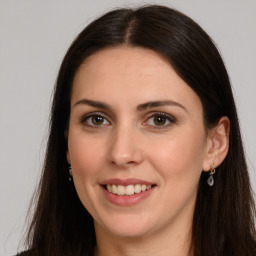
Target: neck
174, 243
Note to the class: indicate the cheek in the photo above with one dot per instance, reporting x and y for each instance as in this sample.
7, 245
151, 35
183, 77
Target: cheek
86, 155
86, 159
179, 159
179, 166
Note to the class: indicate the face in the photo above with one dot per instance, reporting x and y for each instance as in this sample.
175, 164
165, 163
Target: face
136, 142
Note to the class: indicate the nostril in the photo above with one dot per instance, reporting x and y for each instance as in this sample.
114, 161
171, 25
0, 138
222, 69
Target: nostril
128, 163
131, 162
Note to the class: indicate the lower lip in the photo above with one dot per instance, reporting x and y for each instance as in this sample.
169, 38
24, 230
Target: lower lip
127, 200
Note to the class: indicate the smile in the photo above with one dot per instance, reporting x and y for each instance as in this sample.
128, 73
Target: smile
127, 190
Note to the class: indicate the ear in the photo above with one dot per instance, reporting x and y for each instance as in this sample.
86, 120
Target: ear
217, 144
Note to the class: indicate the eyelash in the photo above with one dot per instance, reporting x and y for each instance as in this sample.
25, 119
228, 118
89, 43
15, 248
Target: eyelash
85, 119
168, 118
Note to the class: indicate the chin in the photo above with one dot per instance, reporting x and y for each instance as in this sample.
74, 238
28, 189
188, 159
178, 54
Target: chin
131, 232
128, 227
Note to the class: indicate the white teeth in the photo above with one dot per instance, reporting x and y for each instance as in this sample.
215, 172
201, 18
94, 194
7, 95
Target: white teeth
127, 190
109, 188
120, 190
114, 189
137, 188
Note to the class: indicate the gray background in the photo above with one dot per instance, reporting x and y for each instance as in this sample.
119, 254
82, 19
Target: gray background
34, 36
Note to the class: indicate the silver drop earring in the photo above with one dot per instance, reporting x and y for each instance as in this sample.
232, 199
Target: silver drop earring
70, 173
210, 180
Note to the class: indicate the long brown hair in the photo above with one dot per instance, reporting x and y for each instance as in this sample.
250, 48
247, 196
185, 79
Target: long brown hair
224, 214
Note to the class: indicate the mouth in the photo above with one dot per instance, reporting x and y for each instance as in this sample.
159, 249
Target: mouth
127, 190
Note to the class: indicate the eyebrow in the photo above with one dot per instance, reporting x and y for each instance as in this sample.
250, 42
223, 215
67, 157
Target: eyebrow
153, 104
141, 107
93, 103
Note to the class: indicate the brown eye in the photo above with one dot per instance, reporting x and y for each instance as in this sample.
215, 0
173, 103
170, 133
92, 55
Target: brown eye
93, 120
159, 120
97, 120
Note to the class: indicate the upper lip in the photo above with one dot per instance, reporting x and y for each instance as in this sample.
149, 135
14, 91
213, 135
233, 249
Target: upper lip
125, 182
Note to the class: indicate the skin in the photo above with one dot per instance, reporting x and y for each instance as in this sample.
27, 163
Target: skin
129, 142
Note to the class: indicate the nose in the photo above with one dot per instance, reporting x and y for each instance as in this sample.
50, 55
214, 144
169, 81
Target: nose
125, 149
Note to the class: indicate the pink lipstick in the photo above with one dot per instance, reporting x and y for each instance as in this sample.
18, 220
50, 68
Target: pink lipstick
127, 192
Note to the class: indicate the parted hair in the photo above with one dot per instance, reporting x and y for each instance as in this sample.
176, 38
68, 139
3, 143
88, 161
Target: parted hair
223, 222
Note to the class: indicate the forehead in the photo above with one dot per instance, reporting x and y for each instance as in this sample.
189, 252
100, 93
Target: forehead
127, 56
130, 73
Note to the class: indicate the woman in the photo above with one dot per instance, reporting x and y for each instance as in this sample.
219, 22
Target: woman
144, 154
